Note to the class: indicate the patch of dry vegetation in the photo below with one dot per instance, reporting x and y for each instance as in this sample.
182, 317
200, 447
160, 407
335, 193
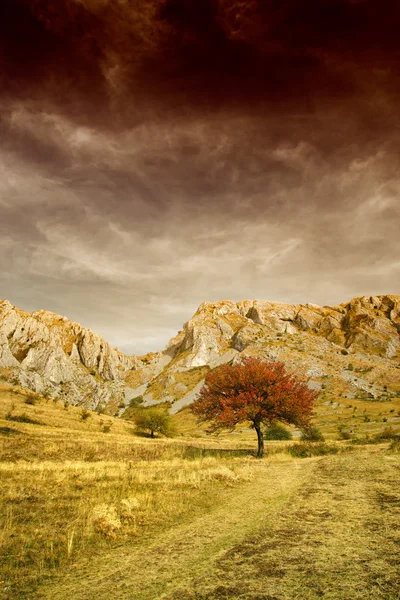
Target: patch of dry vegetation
65, 497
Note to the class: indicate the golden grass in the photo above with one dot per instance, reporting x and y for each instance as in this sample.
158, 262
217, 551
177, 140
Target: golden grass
337, 539
70, 490
73, 494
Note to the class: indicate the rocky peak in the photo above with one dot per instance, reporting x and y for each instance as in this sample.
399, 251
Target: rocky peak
370, 322
53, 355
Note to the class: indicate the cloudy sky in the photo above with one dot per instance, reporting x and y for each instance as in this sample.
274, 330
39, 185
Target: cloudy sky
155, 154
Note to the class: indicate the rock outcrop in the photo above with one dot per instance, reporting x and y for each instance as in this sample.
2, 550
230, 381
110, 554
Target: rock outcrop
59, 358
317, 342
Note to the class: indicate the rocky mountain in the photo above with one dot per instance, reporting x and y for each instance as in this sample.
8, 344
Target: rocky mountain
351, 350
59, 358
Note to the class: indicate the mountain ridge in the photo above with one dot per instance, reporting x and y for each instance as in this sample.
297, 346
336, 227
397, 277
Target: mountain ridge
59, 358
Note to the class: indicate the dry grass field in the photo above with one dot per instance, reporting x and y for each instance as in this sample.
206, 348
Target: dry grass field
89, 509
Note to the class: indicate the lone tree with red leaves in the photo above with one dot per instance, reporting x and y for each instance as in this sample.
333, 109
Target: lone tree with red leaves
257, 391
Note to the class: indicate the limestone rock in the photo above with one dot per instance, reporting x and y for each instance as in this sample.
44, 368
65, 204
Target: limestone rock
57, 357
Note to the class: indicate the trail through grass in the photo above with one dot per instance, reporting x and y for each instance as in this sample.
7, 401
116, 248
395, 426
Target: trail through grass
305, 529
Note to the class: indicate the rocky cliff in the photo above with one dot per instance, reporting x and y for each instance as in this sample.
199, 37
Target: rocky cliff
351, 350
59, 358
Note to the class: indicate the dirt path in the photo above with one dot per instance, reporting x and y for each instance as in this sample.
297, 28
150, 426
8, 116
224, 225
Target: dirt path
301, 530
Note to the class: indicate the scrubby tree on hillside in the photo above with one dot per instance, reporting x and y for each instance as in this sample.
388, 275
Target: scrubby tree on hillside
257, 391
154, 420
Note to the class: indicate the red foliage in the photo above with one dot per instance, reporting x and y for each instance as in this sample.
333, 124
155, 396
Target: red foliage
253, 390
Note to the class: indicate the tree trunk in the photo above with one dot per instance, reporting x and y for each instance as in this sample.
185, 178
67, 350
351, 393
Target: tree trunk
260, 438
152, 434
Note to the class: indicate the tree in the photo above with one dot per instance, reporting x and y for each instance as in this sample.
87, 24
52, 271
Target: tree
257, 391
154, 420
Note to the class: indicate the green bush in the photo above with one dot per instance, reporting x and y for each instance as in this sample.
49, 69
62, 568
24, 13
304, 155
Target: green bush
344, 352
308, 449
136, 402
276, 431
312, 434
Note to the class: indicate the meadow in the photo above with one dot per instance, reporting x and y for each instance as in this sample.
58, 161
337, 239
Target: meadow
90, 508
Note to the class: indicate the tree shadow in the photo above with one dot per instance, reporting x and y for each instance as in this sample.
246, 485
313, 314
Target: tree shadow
193, 452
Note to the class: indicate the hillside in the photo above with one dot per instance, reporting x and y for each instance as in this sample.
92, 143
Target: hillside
350, 352
85, 501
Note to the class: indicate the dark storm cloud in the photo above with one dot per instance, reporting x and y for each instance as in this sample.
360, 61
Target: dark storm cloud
202, 52
158, 153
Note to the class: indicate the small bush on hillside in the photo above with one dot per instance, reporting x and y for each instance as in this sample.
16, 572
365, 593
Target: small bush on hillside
344, 434
30, 400
309, 449
344, 352
312, 434
85, 414
387, 434
107, 427
277, 432
136, 402
350, 367
395, 446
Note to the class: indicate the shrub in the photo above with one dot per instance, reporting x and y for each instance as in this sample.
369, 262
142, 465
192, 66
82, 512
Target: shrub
85, 414
395, 446
106, 520
107, 427
277, 432
309, 449
350, 367
136, 402
30, 400
344, 352
387, 434
312, 434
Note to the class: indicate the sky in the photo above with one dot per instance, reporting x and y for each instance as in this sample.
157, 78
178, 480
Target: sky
156, 154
